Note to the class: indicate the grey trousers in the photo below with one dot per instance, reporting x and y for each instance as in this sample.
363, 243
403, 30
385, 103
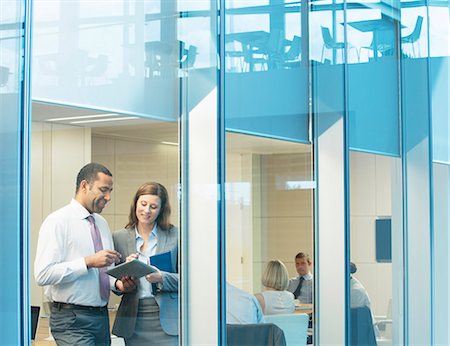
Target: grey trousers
81, 327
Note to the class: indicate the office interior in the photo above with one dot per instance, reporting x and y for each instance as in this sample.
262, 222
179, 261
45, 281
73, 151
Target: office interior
269, 191
277, 127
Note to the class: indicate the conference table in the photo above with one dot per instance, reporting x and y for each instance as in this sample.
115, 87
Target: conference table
304, 309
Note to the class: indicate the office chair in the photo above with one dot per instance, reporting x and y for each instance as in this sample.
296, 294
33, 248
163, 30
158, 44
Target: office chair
414, 36
362, 332
294, 326
267, 334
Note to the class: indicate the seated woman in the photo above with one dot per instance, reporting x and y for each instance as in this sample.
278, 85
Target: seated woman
275, 299
148, 311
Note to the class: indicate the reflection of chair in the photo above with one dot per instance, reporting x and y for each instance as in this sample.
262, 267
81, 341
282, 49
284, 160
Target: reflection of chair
330, 43
384, 44
255, 334
96, 68
292, 57
294, 327
414, 36
4, 75
268, 54
235, 61
362, 327
188, 60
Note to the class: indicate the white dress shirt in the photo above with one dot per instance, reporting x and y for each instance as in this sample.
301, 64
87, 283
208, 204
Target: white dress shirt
145, 287
358, 294
64, 241
242, 307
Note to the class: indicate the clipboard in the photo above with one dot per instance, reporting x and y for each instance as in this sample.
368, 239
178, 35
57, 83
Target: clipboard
162, 261
135, 268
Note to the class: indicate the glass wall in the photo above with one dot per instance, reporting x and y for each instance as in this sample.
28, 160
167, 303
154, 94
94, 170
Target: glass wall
317, 128
269, 177
14, 93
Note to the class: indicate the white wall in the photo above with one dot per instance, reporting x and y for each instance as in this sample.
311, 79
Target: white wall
370, 198
132, 163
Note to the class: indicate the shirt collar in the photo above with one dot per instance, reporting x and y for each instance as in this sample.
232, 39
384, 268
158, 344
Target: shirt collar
307, 276
154, 231
79, 210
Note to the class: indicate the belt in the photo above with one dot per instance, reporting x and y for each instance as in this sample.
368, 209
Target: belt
60, 306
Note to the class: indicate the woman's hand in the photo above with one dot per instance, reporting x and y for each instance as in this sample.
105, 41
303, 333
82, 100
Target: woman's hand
154, 277
132, 257
126, 284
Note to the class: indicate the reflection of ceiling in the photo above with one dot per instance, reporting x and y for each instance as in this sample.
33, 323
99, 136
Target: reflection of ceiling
158, 131
245, 144
43, 112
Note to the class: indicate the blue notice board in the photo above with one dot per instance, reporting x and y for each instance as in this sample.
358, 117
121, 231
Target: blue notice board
383, 232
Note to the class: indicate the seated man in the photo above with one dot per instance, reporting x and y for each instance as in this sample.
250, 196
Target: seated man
242, 307
358, 294
301, 286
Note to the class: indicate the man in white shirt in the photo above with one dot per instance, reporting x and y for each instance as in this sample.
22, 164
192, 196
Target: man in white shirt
242, 307
358, 293
74, 249
302, 285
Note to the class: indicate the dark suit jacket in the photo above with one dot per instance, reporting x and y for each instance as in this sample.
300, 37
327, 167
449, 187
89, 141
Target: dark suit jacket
167, 294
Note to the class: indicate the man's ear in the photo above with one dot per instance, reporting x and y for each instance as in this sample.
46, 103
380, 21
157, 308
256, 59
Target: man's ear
84, 185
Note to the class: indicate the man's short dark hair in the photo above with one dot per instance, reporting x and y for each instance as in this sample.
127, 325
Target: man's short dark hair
90, 172
303, 255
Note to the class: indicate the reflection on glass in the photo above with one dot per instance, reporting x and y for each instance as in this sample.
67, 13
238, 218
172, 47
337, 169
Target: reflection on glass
123, 51
269, 191
11, 34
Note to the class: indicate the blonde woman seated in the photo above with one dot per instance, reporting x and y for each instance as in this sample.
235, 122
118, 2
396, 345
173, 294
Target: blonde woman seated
275, 299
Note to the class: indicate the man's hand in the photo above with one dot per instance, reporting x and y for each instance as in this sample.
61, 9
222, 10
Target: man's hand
126, 284
103, 258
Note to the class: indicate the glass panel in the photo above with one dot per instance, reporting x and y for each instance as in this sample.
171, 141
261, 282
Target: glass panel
441, 284
136, 151
439, 44
13, 159
375, 252
269, 178
372, 31
439, 78
266, 68
93, 53
129, 46
416, 104
328, 109
269, 191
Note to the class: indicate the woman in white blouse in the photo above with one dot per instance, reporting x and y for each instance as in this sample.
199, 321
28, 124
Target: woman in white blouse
275, 299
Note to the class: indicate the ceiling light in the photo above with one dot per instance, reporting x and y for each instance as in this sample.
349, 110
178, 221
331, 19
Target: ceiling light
83, 117
170, 143
102, 120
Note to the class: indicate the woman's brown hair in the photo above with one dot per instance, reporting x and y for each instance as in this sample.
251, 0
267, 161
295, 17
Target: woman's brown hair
156, 189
